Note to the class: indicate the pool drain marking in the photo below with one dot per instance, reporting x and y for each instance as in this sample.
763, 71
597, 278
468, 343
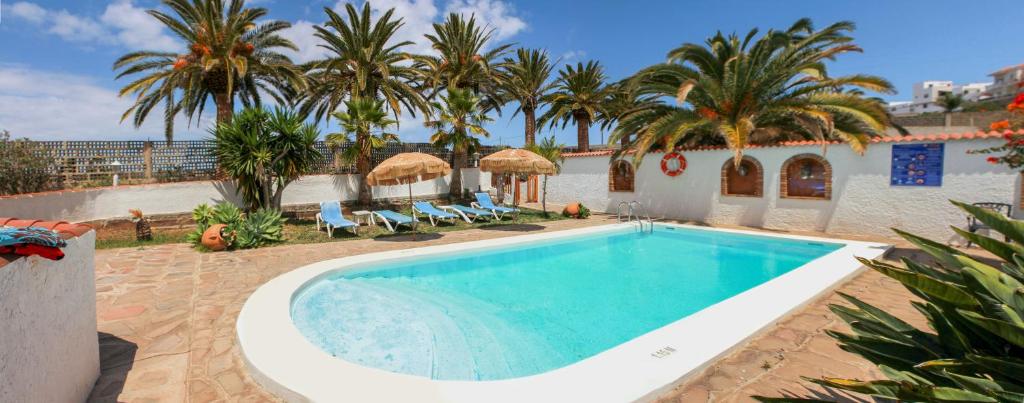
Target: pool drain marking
663, 352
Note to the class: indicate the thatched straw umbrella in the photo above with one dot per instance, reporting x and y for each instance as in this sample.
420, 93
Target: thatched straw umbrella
517, 161
408, 168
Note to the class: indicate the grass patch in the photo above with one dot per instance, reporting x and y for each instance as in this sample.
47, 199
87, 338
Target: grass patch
304, 231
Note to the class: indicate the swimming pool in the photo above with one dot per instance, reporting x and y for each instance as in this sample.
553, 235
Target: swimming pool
515, 311
616, 312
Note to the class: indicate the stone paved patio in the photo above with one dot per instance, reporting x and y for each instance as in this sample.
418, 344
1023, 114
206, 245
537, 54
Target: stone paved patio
167, 314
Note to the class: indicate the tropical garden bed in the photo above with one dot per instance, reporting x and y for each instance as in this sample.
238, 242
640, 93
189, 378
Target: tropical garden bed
303, 231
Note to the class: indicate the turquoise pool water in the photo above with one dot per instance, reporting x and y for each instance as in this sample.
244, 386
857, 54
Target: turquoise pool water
516, 311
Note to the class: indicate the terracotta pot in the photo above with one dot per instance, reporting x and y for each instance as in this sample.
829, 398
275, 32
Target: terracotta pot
212, 238
573, 209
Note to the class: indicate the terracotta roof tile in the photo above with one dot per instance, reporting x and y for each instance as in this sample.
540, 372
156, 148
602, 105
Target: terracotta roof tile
980, 135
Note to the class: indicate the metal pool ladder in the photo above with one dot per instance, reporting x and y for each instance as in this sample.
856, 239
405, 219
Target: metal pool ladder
633, 211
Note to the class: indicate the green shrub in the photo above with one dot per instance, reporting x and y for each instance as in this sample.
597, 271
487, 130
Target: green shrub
242, 231
24, 166
973, 349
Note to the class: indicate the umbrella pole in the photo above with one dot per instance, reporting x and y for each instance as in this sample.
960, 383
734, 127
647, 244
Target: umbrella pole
413, 212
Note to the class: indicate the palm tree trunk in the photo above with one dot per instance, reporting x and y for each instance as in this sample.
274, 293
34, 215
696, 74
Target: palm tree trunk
531, 125
225, 107
582, 132
363, 168
459, 159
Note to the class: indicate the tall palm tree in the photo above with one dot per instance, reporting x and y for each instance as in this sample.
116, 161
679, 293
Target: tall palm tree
551, 151
579, 97
463, 61
366, 120
950, 102
230, 52
737, 91
622, 101
362, 62
459, 120
526, 81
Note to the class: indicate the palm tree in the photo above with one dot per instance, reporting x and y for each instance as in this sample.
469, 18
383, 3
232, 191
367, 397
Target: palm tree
231, 52
366, 119
622, 101
579, 97
463, 62
551, 151
526, 81
949, 103
737, 91
460, 119
361, 63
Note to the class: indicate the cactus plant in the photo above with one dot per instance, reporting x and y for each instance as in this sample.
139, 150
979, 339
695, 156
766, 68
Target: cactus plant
973, 350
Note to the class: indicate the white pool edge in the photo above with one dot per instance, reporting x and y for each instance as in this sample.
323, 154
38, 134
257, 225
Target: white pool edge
284, 362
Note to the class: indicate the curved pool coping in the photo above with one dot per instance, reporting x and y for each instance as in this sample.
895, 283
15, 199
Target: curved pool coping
280, 358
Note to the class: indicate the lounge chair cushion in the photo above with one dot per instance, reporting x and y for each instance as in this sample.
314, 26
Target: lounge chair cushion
394, 217
428, 208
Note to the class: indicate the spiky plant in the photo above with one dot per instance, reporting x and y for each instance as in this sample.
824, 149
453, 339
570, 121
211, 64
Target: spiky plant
362, 61
973, 347
362, 124
264, 152
458, 123
230, 51
579, 97
735, 91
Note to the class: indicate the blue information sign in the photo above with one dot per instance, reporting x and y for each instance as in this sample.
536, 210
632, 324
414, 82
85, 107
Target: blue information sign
917, 164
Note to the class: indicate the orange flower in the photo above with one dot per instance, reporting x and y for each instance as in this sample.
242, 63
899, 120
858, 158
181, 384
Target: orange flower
1000, 125
992, 160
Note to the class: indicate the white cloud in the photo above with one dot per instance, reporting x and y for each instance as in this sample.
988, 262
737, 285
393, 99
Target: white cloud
121, 23
302, 34
417, 17
28, 11
494, 13
136, 29
44, 105
572, 55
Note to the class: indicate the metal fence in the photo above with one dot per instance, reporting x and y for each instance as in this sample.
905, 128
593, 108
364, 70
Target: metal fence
93, 163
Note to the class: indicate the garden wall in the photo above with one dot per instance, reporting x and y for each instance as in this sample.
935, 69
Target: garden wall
49, 350
862, 201
170, 198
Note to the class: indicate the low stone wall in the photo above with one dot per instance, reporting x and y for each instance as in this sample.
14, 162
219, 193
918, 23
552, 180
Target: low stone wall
48, 343
175, 199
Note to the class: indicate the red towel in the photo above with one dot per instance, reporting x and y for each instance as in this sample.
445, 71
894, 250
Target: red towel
27, 249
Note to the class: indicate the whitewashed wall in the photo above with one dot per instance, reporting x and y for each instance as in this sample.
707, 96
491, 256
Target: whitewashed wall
49, 351
169, 198
862, 201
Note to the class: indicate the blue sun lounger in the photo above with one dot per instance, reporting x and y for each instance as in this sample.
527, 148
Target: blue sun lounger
433, 213
466, 212
390, 217
330, 215
483, 201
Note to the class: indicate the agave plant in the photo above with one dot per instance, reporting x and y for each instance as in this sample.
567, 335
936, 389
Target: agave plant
973, 350
243, 231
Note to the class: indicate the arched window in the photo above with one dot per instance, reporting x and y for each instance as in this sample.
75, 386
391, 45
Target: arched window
806, 176
747, 180
620, 176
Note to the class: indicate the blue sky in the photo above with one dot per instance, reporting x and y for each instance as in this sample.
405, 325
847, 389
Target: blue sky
56, 82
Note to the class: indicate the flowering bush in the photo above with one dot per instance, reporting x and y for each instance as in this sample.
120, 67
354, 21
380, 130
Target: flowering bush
1012, 152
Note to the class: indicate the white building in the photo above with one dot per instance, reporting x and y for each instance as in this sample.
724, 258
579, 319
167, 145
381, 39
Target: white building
1005, 80
927, 94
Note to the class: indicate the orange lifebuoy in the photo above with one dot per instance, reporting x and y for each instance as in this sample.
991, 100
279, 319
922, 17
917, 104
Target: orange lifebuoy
673, 164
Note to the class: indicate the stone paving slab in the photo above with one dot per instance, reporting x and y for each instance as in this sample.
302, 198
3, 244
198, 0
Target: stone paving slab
166, 317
